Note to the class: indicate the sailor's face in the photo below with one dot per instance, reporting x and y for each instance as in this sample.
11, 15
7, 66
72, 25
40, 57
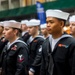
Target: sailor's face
8, 33
44, 31
32, 30
24, 27
53, 25
72, 28
1, 29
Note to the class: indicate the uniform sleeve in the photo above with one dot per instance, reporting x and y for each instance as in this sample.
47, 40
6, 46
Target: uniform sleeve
22, 60
37, 60
38, 57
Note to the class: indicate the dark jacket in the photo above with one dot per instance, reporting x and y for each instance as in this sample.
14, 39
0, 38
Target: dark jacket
14, 59
63, 57
3, 42
35, 53
25, 37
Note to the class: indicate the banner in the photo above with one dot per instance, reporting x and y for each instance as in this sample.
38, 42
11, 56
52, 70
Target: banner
40, 12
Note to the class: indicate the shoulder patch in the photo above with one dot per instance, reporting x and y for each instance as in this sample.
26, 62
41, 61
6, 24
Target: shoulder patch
35, 40
14, 47
20, 58
62, 45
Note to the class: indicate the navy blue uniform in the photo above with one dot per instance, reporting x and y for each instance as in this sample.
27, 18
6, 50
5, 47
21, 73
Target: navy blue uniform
26, 37
3, 42
63, 57
14, 59
35, 54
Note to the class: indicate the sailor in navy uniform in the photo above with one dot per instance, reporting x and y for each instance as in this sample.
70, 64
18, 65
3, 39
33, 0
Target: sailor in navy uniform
3, 41
25, 34
15, 54
72, 25
34, 43
58, 51
44, 30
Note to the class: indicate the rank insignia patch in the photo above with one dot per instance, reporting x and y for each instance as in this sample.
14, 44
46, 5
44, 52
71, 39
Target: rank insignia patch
20, 58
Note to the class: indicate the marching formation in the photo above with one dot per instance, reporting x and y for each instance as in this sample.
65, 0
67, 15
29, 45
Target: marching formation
31, 48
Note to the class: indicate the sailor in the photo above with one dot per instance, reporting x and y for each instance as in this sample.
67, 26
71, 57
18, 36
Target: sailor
44, 30
15, 54
25, 34
58, 51
35, 43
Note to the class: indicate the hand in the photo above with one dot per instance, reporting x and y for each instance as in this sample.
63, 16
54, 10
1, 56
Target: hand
31, 73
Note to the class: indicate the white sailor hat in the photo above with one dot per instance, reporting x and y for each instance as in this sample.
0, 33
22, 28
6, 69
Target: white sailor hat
57, 14
12, 23
72, 18
43, 25
24, 21
1, 23
33, 22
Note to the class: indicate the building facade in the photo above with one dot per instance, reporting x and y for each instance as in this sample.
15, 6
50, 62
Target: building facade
26, 9
12, 4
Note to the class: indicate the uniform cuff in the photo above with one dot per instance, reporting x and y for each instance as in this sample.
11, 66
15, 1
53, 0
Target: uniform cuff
32, 70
